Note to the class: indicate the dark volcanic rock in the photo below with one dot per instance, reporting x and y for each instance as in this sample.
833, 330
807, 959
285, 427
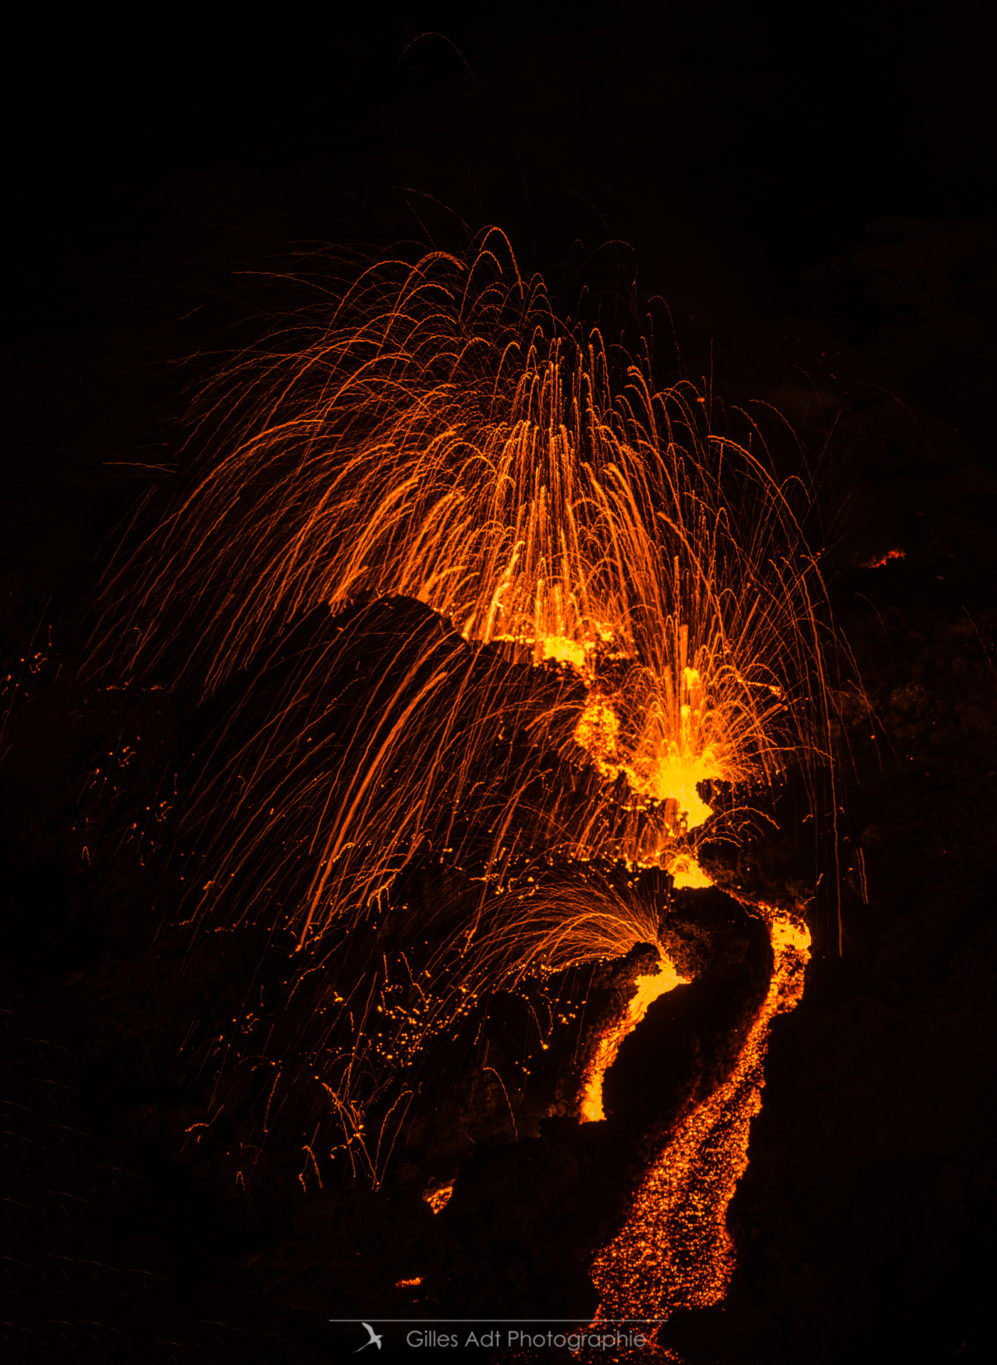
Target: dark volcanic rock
862, 1222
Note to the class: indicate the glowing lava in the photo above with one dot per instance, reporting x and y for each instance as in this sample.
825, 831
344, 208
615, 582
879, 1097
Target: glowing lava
672, 750
649, 989
687, 875
438, 1199
674, 1250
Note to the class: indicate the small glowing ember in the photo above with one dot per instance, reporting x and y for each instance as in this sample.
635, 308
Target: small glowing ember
438, 1199
409, 1284
885, 559
649, 989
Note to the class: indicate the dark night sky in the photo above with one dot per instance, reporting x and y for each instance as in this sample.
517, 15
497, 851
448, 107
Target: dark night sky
780, 136
156, 151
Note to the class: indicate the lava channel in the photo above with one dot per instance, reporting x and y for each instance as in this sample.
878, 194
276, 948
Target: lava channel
674, 1250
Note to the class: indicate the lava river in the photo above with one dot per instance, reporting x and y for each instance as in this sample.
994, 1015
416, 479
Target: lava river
674, 1250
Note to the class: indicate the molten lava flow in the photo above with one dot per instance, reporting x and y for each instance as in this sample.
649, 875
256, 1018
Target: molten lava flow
687, 875
674, 1251
649, 989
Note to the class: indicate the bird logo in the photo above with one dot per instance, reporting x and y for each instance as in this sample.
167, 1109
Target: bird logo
372, 1340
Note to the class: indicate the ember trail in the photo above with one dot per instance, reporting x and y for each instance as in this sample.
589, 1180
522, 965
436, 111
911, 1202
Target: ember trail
492, 636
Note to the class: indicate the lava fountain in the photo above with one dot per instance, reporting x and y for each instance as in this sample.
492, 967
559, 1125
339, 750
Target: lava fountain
469, 591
